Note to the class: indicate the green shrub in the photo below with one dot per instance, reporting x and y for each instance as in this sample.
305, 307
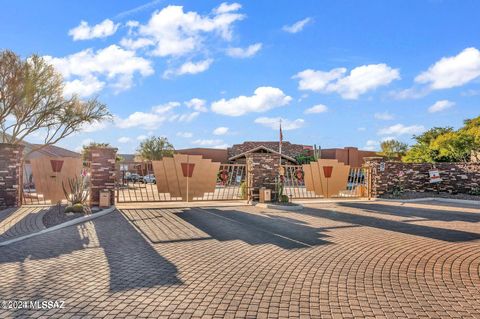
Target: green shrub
475, 191
76, 208
284, 199
243, 190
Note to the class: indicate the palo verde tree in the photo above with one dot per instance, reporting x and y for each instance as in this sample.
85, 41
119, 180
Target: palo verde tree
155, 148
393, 149
444, 144
32, 101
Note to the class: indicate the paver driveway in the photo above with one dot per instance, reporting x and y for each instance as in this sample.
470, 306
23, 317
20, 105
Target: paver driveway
331, 260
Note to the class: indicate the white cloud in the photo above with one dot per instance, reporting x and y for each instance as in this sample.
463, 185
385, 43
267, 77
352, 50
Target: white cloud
141, 119
220, 130
135, 44
113, 64
319, 108
388, 138
197, 104
440, 106
185, 134
297, 26
83, 87
84, 142
264, 98
226, 7
166, 108
174, 32
207, 142
274, 123
189, 68
156, 117
85, 32
454, 71
385, 116
360, 80
142, 137
361, 129
248, 52
124, 140
411, 93
94, 127
185, 118
400, 129
371, 145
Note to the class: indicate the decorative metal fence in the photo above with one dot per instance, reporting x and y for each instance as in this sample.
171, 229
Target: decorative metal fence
295, 184
156, 182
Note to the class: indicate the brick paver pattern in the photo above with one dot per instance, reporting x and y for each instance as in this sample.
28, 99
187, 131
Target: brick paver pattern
347, 260
17, 222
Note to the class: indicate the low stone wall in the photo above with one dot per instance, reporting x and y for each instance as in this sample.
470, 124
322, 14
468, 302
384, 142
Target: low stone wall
456, 177
103, 173
11, 170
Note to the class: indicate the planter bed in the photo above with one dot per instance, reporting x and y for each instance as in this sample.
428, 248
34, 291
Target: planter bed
56, 215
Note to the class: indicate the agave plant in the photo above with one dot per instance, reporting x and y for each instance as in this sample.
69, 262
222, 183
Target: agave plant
78, 193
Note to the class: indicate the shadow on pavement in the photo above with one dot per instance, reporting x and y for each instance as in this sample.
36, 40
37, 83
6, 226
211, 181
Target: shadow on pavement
132, 262
254, 229
427, 213
449, 235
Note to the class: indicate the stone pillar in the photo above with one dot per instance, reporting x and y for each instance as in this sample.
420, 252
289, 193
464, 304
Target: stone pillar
102, 173
11, 174
374, 185
263, 169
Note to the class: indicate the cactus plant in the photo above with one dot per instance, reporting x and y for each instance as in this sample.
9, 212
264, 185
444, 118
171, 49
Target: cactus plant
79, 191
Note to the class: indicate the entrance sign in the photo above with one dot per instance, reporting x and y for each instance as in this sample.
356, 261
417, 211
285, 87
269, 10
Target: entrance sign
434, 176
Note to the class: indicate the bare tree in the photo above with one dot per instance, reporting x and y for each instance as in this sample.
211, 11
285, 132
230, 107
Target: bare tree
32, 101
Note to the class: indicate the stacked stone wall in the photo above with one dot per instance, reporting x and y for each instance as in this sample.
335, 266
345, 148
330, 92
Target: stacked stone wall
457, 178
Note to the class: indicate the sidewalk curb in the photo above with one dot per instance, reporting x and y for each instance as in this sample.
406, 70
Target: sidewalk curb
331, 200
435, 199
60, 226
293, 208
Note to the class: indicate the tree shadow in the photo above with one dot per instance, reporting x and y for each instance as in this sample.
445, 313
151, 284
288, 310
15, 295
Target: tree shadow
133, 263
427, 213
13, 226
443, 234
5, 213
254, 229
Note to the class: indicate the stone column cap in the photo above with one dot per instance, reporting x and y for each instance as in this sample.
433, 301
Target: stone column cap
12, 145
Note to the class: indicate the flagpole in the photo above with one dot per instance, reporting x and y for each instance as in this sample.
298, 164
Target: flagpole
280, 144
280, 147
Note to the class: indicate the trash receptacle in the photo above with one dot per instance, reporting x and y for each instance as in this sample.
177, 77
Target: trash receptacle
265, 195
104, 199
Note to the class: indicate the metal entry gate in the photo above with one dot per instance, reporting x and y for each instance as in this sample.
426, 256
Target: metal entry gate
297, 179
140, 183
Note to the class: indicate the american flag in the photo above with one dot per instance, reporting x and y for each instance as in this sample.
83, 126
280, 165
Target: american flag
281, 134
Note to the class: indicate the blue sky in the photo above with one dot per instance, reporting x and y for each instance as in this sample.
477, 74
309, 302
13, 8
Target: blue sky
211, 74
